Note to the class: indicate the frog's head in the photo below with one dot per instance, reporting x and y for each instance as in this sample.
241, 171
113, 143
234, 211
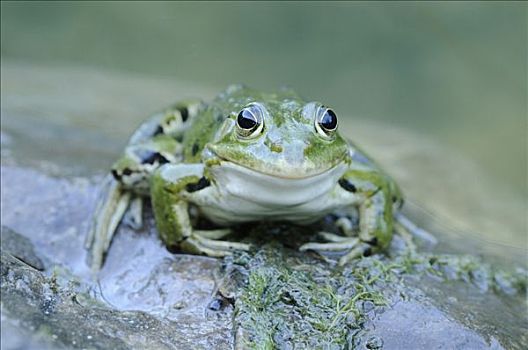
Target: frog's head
277, 134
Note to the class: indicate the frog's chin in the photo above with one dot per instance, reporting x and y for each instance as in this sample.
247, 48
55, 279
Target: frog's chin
244, 186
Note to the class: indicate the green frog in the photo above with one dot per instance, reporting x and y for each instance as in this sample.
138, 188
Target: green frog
247, 156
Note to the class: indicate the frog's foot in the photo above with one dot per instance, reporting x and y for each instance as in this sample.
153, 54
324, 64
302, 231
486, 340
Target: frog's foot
208, 242
108, 214
353, 245
133, 217
408, 230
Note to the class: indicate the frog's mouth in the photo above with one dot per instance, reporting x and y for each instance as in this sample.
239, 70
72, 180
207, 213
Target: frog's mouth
272, 191
278, 167
275, 171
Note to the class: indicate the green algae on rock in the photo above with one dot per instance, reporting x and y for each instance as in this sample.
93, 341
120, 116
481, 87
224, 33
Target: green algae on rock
288, 300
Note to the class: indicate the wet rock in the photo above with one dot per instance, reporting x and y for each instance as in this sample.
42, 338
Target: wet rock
53, 314
20, 247
417, 325
145, 297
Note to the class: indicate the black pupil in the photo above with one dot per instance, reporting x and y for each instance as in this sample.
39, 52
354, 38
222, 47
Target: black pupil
246, 120
329, 120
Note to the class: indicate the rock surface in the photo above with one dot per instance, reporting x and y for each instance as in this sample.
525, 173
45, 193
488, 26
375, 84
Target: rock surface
57, 137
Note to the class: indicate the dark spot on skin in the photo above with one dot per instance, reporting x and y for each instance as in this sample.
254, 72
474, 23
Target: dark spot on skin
173, 249
216, 304
116, 175
398, 201
195, 149
367, 252
158, 131
202, 183
150, 157
127, 171
184, 113
347, 185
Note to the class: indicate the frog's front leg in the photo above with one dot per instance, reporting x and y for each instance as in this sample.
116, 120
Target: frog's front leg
375, 196
172, 189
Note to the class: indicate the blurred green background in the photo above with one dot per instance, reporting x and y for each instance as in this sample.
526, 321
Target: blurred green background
454, 72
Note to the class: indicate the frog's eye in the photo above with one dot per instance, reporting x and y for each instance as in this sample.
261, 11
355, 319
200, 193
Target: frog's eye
249, 121
326, 122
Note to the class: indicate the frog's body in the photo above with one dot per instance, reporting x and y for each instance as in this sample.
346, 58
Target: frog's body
246, 156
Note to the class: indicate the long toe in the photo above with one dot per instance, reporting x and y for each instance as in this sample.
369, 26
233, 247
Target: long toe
213, 234
221, 245
354, 253
349, 243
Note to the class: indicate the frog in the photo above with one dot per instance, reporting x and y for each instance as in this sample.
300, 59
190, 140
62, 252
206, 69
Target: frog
246, 156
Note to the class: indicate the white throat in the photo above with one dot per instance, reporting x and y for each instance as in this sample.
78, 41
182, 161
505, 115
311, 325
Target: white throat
239, 194
272, 191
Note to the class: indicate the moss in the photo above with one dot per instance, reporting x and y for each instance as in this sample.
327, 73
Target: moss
465, 268
292, 302
291, 299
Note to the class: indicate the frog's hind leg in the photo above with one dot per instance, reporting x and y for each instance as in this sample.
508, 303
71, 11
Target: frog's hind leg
353, 245
372, 194
348, 242
113, 202
409, 230
157, 141
198, 242
336, 242
124, 189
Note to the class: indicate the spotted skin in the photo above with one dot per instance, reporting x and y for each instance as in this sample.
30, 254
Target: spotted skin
156, 142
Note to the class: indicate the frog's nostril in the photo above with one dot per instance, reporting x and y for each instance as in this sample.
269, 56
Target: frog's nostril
276, 147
